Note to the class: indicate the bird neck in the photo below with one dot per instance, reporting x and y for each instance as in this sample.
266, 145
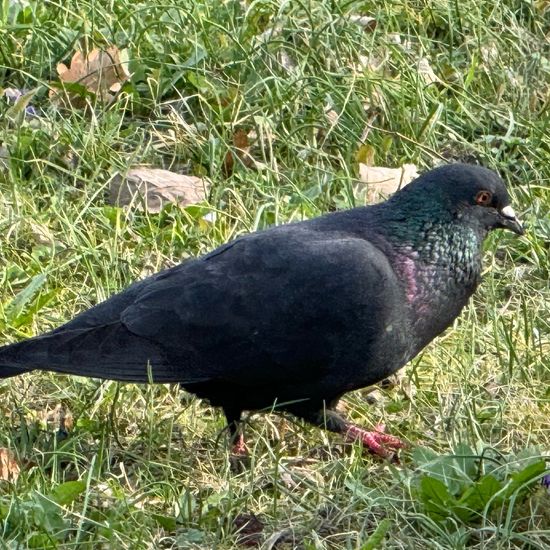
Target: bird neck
442, 246
436, 255
449, 249
439, 256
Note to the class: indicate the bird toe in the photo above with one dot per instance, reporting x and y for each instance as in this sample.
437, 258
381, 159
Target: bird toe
376, 442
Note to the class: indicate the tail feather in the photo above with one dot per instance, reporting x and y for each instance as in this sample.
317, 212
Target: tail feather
8, 372
109, 351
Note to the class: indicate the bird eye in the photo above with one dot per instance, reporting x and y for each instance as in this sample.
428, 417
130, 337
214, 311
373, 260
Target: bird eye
483, 198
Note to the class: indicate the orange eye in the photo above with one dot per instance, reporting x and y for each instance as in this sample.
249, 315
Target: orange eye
483, 198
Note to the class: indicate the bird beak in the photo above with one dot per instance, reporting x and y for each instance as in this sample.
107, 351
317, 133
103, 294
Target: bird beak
510, 221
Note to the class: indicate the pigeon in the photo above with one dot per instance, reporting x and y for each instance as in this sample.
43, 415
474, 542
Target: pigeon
291, 318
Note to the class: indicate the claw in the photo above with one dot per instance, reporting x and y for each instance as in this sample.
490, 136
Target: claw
377, 442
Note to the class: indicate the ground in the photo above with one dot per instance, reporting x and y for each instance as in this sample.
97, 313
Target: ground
276, 104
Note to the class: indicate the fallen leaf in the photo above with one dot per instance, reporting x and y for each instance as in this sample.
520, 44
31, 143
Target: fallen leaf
375, 397
365, 154
270, 33
59, 418
240, 140
393, 381
426, 72
370, 62
287, 480
542, 6
489, 54
11, 94
20, 104
377, 182
332, 116
240, 150
4, 158
149, 188
395, 38
368, 23
282, 540
42, 234
249, 529
286, 61
9, 469
101, 72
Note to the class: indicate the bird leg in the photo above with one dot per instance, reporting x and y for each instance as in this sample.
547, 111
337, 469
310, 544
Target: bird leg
239, 446
236, 436
239, 458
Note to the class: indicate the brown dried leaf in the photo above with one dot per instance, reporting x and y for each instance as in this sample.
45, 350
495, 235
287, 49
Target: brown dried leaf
377, 182
241, 150
542, 6
9, 469
102, 72
240, 141
249, 529
284, 539
153, 188
60, 418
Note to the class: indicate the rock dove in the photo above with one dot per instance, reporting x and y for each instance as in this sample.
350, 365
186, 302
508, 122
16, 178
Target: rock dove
293, 317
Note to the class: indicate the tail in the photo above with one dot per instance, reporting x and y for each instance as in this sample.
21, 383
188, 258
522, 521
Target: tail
109, 351
8, 372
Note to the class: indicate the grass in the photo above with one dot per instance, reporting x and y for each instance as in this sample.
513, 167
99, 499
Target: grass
142, 467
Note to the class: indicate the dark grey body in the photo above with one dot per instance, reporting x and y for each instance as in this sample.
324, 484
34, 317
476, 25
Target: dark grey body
295, 315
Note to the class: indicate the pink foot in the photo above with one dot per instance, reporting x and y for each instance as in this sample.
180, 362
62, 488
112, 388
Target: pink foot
239, 448
377, 442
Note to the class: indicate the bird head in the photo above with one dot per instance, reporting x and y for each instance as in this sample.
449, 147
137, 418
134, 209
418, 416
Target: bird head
472, 193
